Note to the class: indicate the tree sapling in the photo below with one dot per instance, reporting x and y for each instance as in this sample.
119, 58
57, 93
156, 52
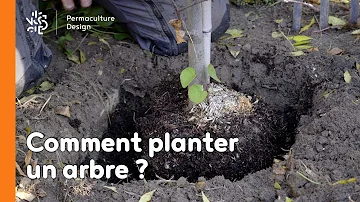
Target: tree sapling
199, 26
220, 100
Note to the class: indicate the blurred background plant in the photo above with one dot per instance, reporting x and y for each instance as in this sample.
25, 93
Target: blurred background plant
57, 21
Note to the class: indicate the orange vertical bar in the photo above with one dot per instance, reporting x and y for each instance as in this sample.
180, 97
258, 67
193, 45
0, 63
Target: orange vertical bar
7, 83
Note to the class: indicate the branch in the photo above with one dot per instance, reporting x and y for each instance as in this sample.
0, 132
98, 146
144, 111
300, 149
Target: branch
188, 6
176, 9
303, 3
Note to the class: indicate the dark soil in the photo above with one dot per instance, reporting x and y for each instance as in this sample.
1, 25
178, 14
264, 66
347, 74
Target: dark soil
262, 136
125, 90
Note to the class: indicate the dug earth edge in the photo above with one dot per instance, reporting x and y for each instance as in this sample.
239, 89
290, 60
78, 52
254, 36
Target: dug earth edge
123, 144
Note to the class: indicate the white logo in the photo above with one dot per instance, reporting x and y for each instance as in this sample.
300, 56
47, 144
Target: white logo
37, 22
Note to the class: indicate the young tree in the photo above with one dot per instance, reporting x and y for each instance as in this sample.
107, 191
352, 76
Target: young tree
199, 46
197, 76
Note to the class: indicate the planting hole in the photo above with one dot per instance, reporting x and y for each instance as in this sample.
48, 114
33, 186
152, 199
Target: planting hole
263, 135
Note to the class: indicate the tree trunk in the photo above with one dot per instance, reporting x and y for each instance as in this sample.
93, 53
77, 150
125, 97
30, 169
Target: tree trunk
207, 27
196, 43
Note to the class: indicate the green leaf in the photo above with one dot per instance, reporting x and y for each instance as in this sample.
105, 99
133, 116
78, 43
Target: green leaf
197, 94
96, 11
279, 21
116, 26
351, 180
356, 32
27, 98
212, 72
63, 39
334, 21
300, 43
297, 53
246, 14
347, 77
82, 57
204, 198
147, 196
111, 188
235, 33
287, 199
104, 24
105, 42
276, 35
96, 34
187, 76
327, 93
68, 37
148, 53
122, 36
74, 58
68, 51
28, 130
277, 185
91, 43
300, 38
234, 53
31, 90
303, 47
234, 50
306, 27
45, 86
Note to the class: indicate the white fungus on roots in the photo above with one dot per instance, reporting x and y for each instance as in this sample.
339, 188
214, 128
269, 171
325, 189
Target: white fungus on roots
222, 103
